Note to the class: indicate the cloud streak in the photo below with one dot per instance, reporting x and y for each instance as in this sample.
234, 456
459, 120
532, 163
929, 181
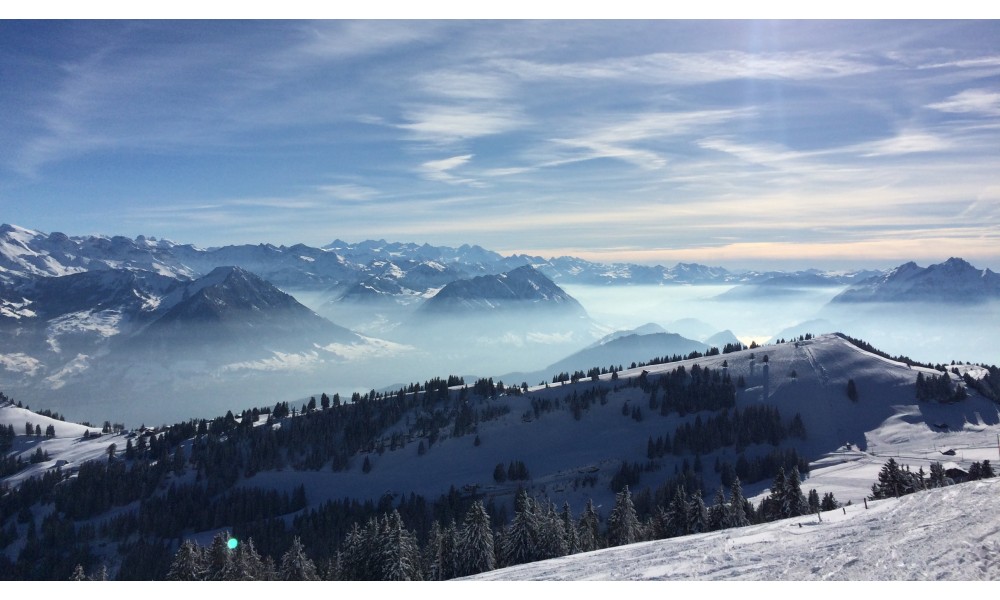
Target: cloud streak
688, 137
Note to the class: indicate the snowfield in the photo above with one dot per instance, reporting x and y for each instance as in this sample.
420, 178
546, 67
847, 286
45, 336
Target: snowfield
951, 533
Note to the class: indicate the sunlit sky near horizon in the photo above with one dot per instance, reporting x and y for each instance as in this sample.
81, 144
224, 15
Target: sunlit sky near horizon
734, 143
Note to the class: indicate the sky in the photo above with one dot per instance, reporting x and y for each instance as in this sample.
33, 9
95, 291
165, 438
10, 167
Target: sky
793, 144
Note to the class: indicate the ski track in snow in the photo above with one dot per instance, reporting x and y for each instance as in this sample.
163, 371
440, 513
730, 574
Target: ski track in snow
816, 366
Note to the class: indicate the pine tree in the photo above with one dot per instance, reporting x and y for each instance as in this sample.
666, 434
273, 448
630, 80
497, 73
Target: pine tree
676, 523
569, 530
295, 565
589, 528
247, 564
623, 524
441, 552
476, 554
219, 558
987, 470
551, 535
829, 502
188, 564
400, 554
717, 512
78, 574
793, 503
697, 520
353, 555
937, 477
813, 499
890, 481
432, 552
521, 540
738, 516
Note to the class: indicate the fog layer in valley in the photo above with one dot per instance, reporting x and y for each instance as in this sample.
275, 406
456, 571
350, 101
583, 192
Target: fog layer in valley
407, 346
698, 311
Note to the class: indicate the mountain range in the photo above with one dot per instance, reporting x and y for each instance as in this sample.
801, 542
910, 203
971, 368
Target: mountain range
177, 323
338, 267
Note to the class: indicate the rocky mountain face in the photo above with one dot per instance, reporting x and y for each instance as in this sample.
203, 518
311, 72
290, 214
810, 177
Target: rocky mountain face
953, 281
523, 288
119, 333
231, 304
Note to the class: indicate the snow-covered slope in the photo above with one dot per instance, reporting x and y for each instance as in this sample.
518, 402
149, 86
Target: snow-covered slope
574, 454
946, 534
66, 449
564, 453
622, 351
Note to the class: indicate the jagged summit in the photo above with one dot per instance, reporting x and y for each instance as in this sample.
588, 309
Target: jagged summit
243, 302
523, 287
954, 281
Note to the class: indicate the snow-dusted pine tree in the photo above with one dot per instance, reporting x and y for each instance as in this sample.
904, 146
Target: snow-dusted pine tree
589, 529
352, 559
188, 563
295, 565
623, 524
521, 539
793, 503
737, 516
697, 514
717, 512
219, 559
676, 518
475, 543
400, 554
247, 564
569, 530
551, 536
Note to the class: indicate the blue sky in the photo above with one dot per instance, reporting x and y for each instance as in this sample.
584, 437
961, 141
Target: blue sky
735, 143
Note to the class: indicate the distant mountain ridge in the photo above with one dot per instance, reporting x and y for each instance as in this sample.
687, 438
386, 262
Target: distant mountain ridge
232, 303
953, 281
125, 330
388, 270
523, 287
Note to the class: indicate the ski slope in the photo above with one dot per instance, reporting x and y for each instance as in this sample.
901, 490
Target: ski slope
947, 534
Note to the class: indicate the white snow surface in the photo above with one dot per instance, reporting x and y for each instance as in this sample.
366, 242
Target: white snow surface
67, 449
950, 533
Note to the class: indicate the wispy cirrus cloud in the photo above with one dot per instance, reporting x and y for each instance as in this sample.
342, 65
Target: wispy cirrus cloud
346, 39
975, 101
441, 170
448, 124
698, 67
638, 139
908, 142
466, 84
351, 192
